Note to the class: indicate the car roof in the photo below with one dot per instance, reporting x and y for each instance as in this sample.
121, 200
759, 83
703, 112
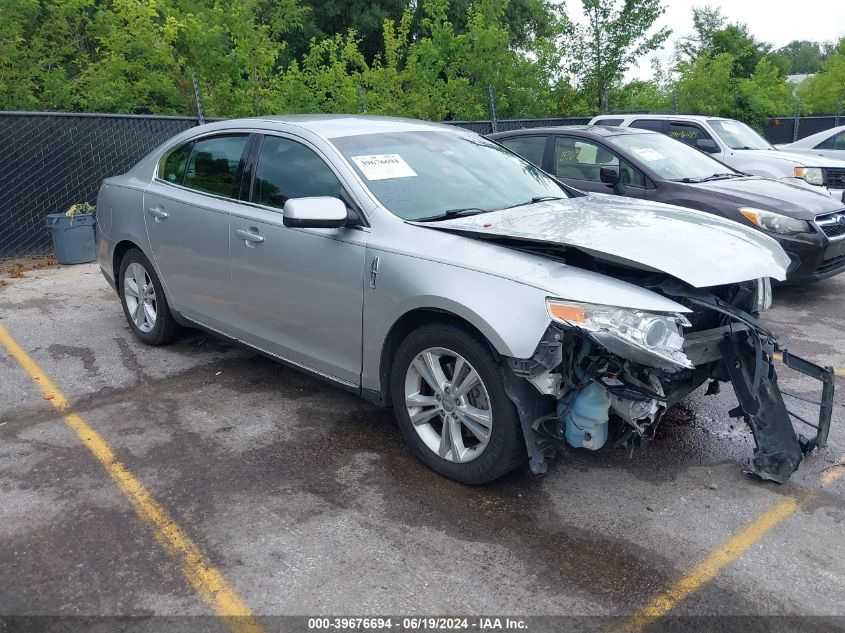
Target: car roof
820, 136
660, 117
338, 125
576, 130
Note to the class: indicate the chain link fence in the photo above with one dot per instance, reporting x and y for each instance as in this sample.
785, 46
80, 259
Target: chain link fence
790, 129
51, 161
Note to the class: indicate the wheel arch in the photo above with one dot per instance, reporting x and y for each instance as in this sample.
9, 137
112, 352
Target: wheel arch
414, 319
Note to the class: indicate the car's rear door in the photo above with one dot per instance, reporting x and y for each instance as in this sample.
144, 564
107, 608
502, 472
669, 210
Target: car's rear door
186, 210
299, 291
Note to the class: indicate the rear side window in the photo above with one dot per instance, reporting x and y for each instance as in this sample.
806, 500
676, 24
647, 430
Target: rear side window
172, 166
609, 122
834, 142
213, 166
531, 148
687, 133
649, 124
287, 169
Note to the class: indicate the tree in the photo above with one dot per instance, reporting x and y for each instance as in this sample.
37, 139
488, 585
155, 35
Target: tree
613, 38
706, 21
706, 85
825, 92
804, 57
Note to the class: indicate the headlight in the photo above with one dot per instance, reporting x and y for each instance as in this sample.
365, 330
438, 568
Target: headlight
813, 175
775, 222
764, 295
647, 337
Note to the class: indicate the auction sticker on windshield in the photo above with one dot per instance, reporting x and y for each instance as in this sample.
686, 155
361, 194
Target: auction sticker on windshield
383, 166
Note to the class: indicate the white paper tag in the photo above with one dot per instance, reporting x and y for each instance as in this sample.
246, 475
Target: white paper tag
383, 166
648, 153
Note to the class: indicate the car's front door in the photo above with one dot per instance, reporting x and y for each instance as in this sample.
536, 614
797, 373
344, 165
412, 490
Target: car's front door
186, 211
300, 291
578, 162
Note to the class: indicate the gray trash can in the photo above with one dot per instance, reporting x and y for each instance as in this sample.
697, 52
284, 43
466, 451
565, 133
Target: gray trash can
73, 237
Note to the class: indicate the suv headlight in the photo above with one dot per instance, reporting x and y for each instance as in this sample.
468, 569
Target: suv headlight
813, 175
764, 295
775, 222
647, 337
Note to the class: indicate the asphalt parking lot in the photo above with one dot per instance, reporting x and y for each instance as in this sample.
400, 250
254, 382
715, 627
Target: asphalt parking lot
306, 501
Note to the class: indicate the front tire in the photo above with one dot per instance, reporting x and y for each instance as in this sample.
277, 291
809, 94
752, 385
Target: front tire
143, 300
451, 405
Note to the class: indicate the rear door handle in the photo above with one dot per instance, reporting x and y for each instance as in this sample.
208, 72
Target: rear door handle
158, 213
249, 236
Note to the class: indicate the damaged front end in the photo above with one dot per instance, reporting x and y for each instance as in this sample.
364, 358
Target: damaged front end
605, 375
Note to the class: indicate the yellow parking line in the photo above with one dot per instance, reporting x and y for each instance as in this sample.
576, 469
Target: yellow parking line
728, 552
206, 579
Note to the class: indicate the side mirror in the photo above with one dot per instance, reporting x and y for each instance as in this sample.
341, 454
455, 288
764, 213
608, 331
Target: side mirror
322, 212
609, 175
707, 145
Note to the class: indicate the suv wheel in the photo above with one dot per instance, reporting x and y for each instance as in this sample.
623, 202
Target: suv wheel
452, 407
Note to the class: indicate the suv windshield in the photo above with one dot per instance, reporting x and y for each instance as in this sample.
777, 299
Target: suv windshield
667, 158
737, 135
425, 175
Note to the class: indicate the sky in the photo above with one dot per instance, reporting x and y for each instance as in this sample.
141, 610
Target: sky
775, 21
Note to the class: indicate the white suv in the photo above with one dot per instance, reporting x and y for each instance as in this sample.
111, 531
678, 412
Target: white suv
738, 146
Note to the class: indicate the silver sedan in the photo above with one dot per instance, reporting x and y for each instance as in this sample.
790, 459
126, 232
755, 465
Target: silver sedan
498, 311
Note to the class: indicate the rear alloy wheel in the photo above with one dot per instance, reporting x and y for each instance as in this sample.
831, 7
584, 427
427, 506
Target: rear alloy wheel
144, 303
451, 405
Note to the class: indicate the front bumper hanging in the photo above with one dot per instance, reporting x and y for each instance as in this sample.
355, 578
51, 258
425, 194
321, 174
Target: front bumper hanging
749, 360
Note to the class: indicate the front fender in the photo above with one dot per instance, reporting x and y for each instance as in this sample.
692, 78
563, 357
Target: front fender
511, 315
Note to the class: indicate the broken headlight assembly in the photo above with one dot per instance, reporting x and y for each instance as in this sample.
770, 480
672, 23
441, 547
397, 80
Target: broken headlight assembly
775, 222
650, 338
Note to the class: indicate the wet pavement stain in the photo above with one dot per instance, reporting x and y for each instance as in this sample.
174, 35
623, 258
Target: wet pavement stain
84, 354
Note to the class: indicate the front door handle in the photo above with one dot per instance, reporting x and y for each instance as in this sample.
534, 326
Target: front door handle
158, 213
249, 236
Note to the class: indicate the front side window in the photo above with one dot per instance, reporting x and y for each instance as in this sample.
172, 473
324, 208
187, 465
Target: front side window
287, 169
213, 166
425, 174
531, 148
686, 133
173, 164
583, 160
737, 135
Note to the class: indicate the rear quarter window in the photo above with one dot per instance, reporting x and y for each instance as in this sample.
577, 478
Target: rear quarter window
650, 124
531, 148
609, 122
172, 165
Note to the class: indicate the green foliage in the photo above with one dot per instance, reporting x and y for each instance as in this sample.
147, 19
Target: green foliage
825, 92
611, 41
433, 59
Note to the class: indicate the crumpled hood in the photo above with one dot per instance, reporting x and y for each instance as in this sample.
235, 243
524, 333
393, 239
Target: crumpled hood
772, 195
698, 248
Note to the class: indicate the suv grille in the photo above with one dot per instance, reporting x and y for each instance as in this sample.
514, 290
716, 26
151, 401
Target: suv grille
835, 178
832, 224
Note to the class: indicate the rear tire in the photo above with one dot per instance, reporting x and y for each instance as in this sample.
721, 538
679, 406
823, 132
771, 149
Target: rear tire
464, 426
143, 300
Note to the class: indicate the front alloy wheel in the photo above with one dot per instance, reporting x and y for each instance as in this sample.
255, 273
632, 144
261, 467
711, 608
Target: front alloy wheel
448, 404
449, 397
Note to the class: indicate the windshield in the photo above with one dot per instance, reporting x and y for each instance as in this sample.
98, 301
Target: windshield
667, 158
737, 135
424, 175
